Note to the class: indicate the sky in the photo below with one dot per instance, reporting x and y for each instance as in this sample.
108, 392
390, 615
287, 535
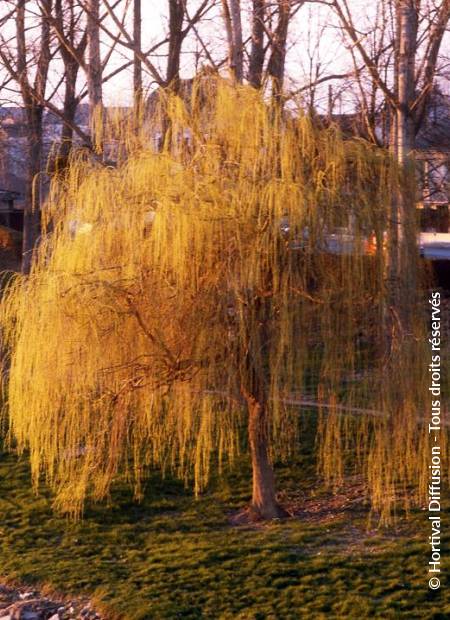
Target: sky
309, 23
118, 91
313, 38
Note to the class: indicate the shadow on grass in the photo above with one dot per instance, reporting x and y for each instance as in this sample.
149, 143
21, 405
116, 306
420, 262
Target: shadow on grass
172, 556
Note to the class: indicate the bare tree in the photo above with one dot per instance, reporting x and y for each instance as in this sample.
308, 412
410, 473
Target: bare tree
176, 36
29, 65
233, 26
137, 52
180, 25
94, 65
277, 60
256, 62
73, 42
406, 87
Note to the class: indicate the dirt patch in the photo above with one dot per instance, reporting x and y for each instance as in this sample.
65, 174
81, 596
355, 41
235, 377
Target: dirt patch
320, 509
24, 603
326, 507
249, 516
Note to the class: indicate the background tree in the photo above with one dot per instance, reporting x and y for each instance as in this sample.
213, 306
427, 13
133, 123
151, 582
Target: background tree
233, 26
278, 41
94, 64
67, 23
256, 61
29, 65
406, 87
269, 25
137, 62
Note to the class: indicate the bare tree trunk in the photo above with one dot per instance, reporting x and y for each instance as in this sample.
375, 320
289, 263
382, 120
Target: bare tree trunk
65, 25
277, 61
94, 65
233, 27
32, 212
238, 44
69, 111
393, 254
33, 96
256, 64
176, 36
402, 259
137, 63
229, 30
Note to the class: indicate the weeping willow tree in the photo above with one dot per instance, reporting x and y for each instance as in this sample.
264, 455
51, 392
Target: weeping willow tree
186, 294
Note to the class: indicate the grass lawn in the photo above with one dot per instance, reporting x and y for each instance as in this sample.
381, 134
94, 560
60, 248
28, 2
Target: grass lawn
172, 556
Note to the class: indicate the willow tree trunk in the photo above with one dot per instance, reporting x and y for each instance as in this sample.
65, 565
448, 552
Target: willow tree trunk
264, 503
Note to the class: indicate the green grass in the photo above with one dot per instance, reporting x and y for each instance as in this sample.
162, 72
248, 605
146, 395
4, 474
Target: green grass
172, 556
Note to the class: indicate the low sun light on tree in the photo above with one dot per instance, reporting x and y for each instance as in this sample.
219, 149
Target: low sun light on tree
181, 297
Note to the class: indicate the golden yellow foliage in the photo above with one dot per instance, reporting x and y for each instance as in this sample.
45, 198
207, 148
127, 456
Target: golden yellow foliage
164, 284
